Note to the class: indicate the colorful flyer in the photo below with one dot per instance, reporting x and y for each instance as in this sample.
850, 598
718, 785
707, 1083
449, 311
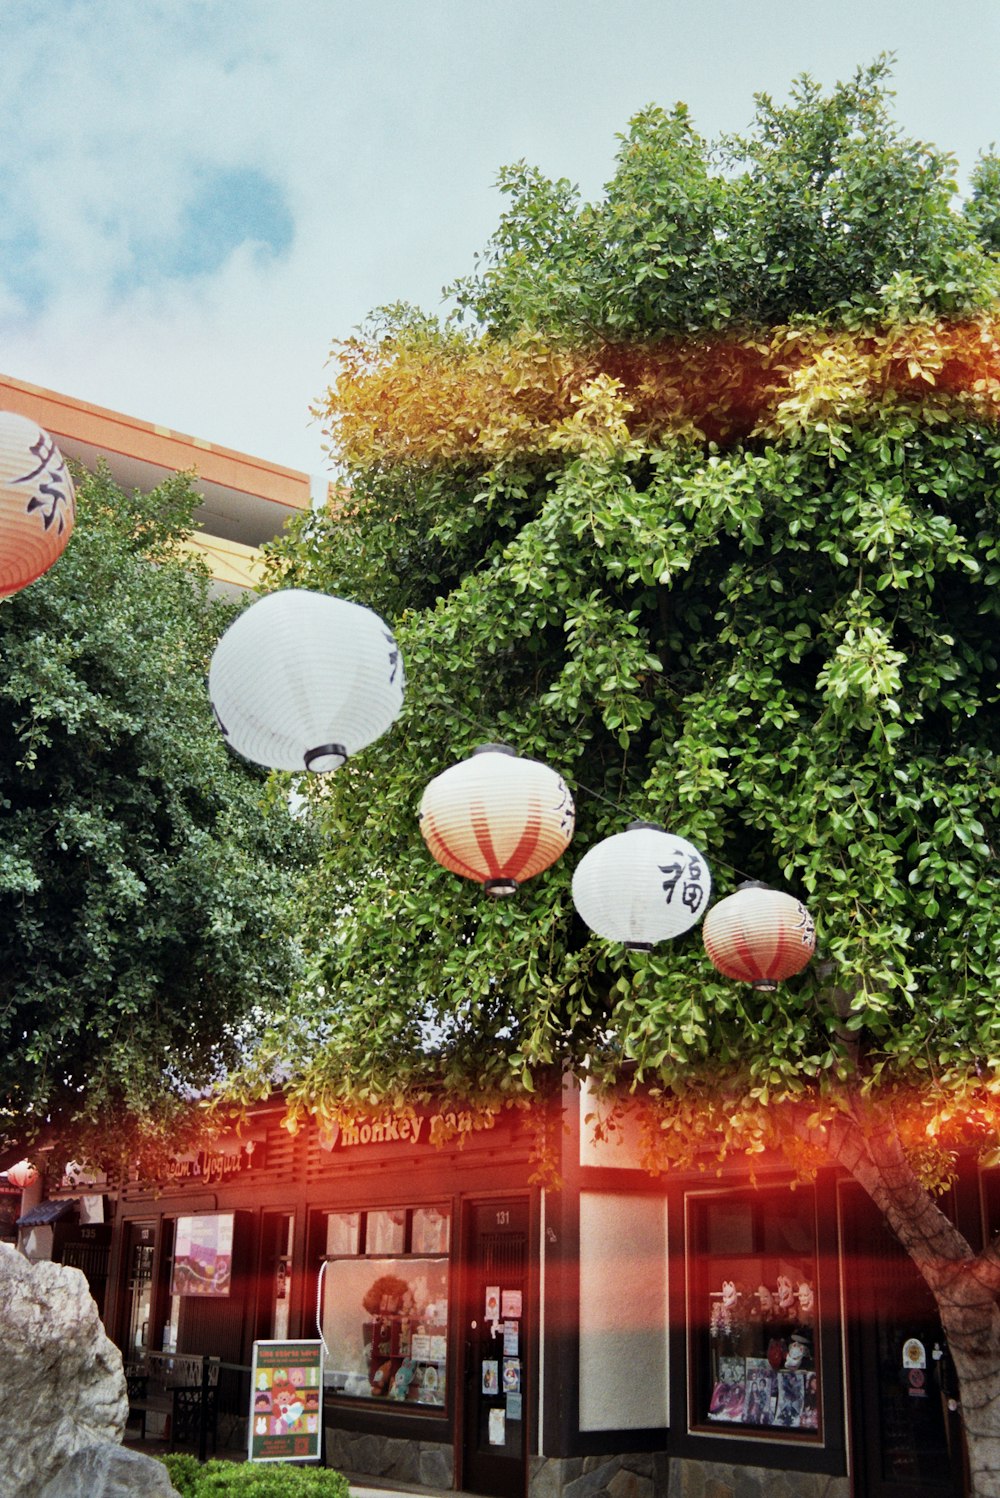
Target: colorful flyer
498, 1428
510, 1339
513, 1406
492, 1308
491, 1377
510, 1305
286, 1402
203, 1254
511, 1375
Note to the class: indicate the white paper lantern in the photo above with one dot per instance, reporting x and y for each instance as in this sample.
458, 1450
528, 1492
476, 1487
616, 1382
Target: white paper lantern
641, 886
497, 818
37, 502
302, 680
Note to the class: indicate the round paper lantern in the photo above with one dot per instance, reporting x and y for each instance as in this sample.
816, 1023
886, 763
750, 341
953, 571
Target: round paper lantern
497, 818
22, 1174
641, 886
759, 936
302, 680
37, 502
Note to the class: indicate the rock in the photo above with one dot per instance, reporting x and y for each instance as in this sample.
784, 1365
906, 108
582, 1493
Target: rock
58, 1370
107, 1471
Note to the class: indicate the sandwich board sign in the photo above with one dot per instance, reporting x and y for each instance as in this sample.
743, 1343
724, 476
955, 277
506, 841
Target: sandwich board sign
286, 1402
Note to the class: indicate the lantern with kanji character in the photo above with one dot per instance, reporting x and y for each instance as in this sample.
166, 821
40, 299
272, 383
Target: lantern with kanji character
641, 886
302, 680
37, 502
497, 818
22, 1175
759, 936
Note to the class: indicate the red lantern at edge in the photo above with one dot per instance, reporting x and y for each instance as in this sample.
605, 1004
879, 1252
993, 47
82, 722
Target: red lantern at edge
37, 502
22, 1175
759, 936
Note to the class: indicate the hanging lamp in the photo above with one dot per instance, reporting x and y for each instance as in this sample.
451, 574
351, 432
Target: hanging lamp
641, 886
497, 818
22, 1175
303, 680
759, 936
37, 502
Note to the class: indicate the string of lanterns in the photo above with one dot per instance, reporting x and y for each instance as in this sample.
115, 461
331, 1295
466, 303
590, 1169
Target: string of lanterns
302, 680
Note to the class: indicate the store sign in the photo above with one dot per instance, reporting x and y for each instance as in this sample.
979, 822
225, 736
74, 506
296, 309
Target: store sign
408, 1128
286, 1402
209, 1167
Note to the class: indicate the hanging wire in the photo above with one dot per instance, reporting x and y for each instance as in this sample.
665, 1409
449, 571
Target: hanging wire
579, 786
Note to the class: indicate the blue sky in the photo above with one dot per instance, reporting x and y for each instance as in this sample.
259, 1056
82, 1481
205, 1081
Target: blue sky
198, 196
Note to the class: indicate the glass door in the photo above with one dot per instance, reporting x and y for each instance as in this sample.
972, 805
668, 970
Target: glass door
495, 1401
139, 1292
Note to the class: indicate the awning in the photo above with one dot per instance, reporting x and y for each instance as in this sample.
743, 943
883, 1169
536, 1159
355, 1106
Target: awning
46, 1212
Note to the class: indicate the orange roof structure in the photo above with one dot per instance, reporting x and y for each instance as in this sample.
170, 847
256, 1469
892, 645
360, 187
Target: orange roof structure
246, 500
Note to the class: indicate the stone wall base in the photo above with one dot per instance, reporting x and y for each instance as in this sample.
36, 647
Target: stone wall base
720, 1480
429, 1463
624, 1475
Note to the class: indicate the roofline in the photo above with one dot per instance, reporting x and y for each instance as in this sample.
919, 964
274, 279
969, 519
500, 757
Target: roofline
112, 431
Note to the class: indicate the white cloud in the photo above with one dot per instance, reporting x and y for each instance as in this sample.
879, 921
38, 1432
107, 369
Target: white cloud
379, 129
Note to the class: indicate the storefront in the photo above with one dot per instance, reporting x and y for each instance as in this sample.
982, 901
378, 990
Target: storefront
620, 1333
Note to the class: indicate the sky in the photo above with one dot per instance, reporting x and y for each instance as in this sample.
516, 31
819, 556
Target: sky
198, 197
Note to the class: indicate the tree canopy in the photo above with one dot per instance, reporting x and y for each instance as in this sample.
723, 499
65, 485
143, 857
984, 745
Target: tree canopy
694, 497
144, 873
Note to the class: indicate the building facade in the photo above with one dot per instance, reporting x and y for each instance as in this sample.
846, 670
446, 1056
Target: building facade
644, 1338
245, 500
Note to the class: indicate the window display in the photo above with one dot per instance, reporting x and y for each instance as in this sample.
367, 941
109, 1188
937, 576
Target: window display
385, 1317
754, 1324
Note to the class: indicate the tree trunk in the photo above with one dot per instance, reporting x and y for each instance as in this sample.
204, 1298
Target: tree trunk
964, 1284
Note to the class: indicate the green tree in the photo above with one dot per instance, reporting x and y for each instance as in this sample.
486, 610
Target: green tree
144, 873
697, 501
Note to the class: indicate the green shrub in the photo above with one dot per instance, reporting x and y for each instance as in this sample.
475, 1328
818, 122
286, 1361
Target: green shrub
184, 1473
219, 1479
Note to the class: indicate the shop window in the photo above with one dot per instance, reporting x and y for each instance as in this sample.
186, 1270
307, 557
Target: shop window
753, 1314
385, 1305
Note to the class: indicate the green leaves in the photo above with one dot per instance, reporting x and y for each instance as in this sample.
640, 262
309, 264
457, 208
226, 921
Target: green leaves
783, 649
144, 882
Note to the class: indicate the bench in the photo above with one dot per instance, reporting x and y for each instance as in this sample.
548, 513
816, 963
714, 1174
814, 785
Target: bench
172, 1387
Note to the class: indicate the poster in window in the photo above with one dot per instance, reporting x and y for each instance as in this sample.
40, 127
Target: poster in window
791, 1396
729, 1393
286, 1402
510, 1305
761, 1392
203, 1255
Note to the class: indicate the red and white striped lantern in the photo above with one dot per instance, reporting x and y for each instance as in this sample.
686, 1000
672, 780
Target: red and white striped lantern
22, 1175
497, 818
759, 936
37, 502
